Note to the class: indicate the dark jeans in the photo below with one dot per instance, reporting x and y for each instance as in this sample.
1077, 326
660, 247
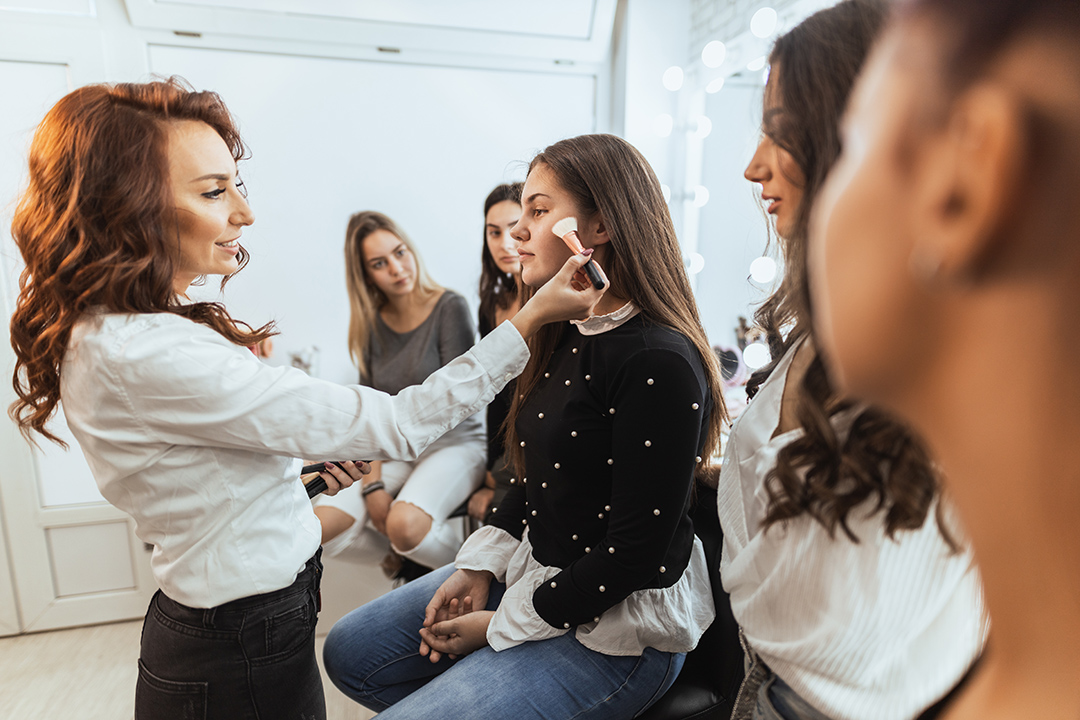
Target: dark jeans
249, 659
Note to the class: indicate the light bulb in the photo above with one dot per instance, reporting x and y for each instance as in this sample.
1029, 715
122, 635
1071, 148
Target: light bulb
763, 270
704, 127
673, 78
756, 64
715, 86
701, 196
714, 53
763, 24
695, 263
756, 355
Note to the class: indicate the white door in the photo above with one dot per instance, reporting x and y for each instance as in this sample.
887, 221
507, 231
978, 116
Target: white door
73, 558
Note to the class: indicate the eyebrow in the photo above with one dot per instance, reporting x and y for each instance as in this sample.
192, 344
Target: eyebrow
212, 176
381, 257
536, 195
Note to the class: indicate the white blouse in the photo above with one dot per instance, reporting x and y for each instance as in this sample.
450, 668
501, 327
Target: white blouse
875, 630
198, 440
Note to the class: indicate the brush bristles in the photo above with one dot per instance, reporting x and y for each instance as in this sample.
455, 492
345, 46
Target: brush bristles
565, 226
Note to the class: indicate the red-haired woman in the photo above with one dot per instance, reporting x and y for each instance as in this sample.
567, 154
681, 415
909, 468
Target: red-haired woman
133, 193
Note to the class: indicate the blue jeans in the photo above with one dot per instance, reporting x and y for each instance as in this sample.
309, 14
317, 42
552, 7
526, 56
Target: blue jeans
372, 655
777, 701
249, 659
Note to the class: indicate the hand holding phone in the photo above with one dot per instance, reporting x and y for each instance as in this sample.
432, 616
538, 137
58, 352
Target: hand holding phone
317, 484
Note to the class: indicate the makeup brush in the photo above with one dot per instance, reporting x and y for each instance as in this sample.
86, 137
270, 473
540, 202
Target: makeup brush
567, 230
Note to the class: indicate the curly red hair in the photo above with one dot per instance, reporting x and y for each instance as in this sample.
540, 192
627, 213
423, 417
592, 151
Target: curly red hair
95, 227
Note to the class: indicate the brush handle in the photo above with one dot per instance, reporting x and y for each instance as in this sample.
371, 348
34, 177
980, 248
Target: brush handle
594, 275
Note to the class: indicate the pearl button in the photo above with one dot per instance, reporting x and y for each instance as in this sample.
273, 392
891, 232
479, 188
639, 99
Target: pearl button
697, 458
596, 619
649, 381
543, 485
574, 351
611, 411
541, 416
573, 433
557, 466
611, 550
588, 377
553, 584
608, 508
523, 522
525, 480
494, 510
547, 375
522, 443
648, 443
694, 406
567, 382
566, 626
600, 515
534, 513
663, 569
588, 549
610, 461
602, 588
513, 481
656, 511
574, 537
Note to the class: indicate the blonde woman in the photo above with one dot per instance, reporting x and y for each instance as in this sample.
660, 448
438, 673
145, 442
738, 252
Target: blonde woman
403, 327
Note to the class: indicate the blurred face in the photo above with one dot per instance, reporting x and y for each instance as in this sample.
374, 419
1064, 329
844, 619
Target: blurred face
499, 221
543, 203
872, 318
210, 208
389, 264
773, 167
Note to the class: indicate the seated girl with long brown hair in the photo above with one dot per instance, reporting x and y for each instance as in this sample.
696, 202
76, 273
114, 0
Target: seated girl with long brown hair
581, 596
134, 193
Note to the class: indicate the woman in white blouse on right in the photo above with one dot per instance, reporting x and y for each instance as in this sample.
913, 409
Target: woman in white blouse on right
855, 594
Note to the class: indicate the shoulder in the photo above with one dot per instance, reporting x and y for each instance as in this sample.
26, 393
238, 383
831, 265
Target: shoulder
453, 305
640, 341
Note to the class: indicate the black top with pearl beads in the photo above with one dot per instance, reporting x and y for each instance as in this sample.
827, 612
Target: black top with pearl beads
614, 482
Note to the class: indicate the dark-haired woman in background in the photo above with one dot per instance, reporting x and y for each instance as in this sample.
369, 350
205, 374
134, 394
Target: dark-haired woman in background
585, 590
854, 591
945, 248
133, 193
500, 299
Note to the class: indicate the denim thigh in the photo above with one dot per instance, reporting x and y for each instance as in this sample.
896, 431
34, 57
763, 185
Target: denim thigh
251, 659
777, 701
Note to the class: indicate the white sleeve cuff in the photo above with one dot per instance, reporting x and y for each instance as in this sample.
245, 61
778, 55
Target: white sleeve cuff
515, 620
489, 548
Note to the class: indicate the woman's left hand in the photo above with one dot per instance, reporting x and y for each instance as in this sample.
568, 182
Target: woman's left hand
460, 635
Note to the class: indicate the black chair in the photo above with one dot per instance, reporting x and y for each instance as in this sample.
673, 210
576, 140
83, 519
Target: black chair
709, 682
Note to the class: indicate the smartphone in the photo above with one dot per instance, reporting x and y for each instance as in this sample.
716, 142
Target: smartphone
317, 485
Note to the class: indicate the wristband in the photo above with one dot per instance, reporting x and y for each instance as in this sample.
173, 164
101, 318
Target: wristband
372, 487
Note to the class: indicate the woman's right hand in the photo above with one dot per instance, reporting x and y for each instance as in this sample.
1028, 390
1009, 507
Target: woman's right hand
567, 296
464, 589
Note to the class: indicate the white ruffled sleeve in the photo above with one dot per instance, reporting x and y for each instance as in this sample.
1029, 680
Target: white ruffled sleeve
515, 620
489, 548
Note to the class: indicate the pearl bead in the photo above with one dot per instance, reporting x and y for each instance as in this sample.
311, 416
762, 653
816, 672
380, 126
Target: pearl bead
656, 511
534, 513
574, 536
611, 411
567, 382
494, 510
608, 508
588, 549
566, 626
553, 584
557, 466
523, 522
541, 416
573, 433
522, 443
543, 485
610, 461
697, 458
611, 550
663, 569
525, 480
588, 377
694, 406
649, 381
513, 480
600, 515
602, 588
596, 619
547, 375
574, 351
648, 443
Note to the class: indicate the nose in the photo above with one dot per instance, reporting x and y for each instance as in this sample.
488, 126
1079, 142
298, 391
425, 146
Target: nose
508, 242
758, 170
242, 214
518, 233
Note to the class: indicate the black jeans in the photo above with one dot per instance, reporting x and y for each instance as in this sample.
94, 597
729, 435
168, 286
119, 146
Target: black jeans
249, 659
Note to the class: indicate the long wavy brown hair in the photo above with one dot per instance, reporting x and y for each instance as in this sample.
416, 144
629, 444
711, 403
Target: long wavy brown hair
497, 289
814, 67
97, 230
608, 176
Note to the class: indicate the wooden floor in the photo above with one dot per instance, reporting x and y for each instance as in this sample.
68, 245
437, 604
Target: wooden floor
89, 673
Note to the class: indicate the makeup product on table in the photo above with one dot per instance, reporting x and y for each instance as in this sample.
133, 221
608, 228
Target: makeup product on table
567, 230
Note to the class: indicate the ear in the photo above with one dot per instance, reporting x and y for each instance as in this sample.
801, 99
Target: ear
968, 182
598, 234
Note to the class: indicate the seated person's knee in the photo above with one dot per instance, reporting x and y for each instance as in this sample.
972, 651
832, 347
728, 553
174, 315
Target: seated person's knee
406, 526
